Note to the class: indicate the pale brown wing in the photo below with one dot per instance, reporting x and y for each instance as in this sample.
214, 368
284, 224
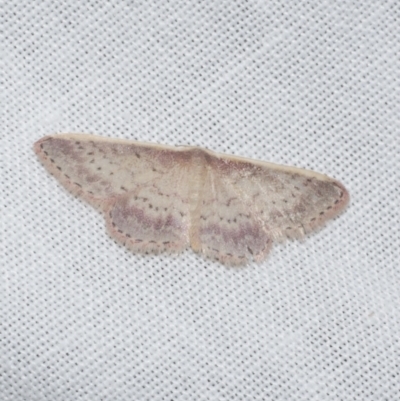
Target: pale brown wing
142, 189
247, 204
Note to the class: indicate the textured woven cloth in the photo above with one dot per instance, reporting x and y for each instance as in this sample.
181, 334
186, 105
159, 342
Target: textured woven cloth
313, 84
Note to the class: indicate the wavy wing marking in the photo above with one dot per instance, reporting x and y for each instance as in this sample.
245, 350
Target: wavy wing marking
159, 198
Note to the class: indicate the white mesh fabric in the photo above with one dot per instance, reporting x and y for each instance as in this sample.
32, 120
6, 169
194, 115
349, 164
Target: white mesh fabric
308, 83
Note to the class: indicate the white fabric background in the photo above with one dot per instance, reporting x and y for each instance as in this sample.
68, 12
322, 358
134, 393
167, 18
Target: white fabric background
314, 84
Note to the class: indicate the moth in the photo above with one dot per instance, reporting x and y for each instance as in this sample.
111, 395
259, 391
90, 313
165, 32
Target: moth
161, 198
